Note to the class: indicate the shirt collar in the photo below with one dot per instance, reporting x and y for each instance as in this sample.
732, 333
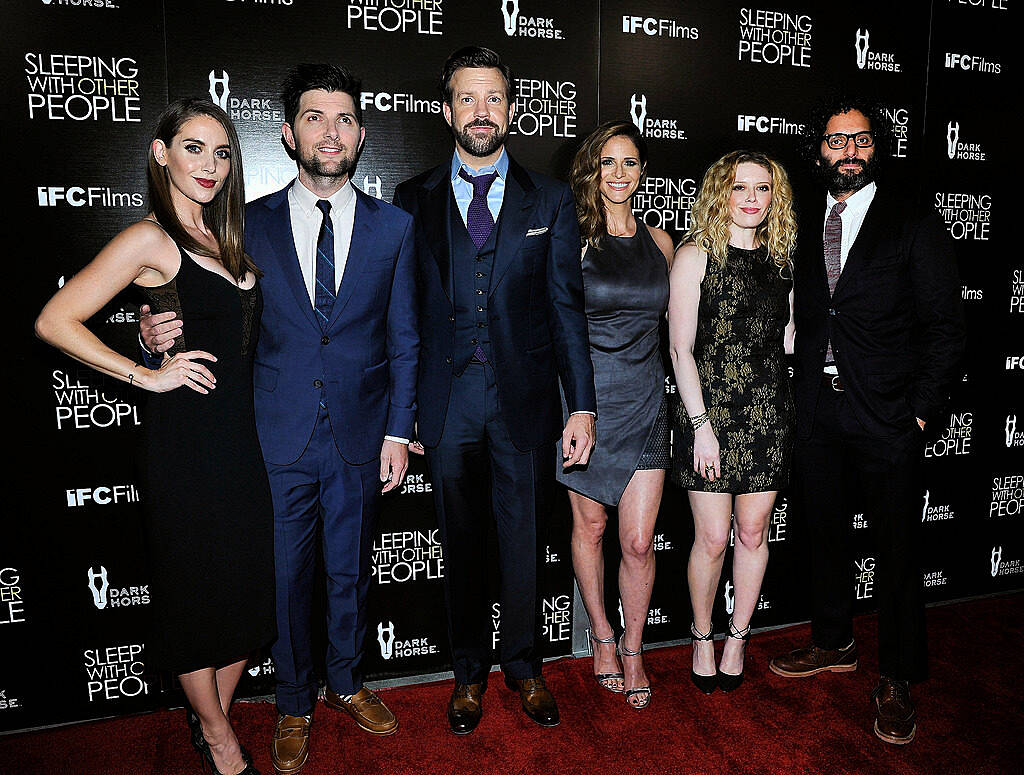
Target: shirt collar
500, 166
855, 203
306, 200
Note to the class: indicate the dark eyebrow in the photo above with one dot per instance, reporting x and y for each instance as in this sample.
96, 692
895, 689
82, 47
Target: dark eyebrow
193, 140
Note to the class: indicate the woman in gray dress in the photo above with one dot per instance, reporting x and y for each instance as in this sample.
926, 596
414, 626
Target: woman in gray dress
625, 280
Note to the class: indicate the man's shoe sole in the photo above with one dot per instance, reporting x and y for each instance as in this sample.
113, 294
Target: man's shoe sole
291, 770
809, 673
359, 723
895, 740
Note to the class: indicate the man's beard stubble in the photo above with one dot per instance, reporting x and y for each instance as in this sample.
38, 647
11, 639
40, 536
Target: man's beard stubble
480, 146
341, 168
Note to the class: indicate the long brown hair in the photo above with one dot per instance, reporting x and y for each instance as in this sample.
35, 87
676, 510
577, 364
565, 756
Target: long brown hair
225, 214
585, 177
711, 218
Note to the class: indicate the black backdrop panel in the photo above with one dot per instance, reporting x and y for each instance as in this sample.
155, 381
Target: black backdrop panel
84, 83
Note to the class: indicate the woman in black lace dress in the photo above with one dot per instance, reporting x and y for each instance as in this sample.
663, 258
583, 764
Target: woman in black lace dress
729, 314
206, 502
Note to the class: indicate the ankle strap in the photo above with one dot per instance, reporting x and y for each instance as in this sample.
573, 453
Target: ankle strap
698, 635
623, 651
743, 634
609, 639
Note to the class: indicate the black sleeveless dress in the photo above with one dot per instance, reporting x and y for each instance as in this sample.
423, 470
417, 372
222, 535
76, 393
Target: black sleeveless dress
209, 520
626, 289
743, 312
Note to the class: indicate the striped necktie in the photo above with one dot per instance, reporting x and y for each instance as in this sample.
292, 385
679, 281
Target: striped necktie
324, 293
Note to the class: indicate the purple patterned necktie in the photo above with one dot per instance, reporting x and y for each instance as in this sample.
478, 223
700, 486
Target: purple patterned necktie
833, 252
479, 220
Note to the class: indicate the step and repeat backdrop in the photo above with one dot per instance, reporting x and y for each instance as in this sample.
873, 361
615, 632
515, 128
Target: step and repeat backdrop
83, 81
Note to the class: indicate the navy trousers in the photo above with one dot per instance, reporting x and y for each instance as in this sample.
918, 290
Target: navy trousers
479, 479
321, 490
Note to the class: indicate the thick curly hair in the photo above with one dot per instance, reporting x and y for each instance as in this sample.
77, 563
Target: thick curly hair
837, 104
711, 218
585, 177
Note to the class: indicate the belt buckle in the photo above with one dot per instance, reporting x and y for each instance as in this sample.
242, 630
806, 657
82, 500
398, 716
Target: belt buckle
837, 386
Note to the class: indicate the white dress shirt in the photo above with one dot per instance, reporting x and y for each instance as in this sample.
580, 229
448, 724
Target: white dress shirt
853, 218
306, 221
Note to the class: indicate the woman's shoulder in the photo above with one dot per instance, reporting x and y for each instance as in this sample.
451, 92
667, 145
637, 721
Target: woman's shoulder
148, 244
663, 241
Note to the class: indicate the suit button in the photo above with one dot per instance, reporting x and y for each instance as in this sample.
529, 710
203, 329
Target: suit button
832, 311
480, 274
479, 292
479, 308
448, 359
325, 340
451, 318
474, 341
481, 325
317, 384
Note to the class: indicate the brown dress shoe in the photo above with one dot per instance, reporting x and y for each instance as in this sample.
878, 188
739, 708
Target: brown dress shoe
465, 707
369, 712
806, 662
290, 747
896, 720
538, 702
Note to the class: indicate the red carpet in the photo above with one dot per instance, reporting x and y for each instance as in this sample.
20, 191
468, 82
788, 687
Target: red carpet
970, 715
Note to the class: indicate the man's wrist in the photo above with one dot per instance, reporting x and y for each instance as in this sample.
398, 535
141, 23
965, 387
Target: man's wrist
397, 440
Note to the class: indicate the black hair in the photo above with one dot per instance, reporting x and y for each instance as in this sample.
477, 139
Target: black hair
308, 76
837, 104
474, 56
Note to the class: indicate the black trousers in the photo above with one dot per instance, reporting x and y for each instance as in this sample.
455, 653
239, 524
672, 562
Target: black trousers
479, 476
839, 459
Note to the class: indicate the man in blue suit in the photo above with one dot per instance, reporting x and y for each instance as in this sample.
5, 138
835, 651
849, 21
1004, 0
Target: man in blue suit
335, 380
501, 298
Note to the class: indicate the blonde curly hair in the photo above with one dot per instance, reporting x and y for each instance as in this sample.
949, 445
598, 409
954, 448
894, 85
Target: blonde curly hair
711, 218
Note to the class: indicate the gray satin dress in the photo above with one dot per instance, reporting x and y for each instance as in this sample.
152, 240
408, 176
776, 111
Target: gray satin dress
626, 289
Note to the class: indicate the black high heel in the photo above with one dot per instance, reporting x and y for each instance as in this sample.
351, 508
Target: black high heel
195, 729
727, 681
207, 758
706, 683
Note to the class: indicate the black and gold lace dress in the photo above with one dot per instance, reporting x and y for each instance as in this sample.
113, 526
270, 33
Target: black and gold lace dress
744, 308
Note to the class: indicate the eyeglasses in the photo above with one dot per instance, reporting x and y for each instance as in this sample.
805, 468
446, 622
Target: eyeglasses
837, 141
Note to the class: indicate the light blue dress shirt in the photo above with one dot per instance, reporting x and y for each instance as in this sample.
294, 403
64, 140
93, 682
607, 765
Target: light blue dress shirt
463, 189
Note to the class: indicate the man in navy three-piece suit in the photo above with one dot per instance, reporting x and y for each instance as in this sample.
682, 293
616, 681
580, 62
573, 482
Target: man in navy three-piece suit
500, 294
335, 392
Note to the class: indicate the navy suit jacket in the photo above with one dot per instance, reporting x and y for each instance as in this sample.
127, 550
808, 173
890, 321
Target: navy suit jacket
365, 358
535, 310
895, 319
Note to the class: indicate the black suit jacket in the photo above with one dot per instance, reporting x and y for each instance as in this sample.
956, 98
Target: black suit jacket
895, 319
535, 312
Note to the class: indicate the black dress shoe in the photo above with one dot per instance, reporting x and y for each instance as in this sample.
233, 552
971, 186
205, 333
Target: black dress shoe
465, 707
728, 682
538, 703
706, 683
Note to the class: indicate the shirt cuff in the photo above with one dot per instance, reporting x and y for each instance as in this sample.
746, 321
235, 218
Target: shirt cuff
584, 411
396, 439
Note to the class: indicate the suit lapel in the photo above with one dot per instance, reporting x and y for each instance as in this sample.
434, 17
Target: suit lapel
282, 241
362, 239
434, 202
516, 207
867, 237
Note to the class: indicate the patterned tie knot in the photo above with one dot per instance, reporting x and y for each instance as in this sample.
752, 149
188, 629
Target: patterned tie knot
837, 208
481, 183
325, 206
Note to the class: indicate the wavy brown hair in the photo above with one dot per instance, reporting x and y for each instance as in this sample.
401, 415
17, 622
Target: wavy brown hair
224, 215
711, 218
585, 177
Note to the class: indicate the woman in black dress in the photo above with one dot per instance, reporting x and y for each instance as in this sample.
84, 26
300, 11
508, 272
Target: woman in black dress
206, 503
730, 319
625, 280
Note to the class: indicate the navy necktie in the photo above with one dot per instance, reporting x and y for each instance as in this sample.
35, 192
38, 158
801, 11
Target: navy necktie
479, 220
324, 293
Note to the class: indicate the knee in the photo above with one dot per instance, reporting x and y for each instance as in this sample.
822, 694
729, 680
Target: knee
637, 548
711, 543
752, 538
590, 529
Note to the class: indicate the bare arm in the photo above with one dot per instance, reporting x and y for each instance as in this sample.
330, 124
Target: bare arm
141, 254
663, 241
685, 278
789, 335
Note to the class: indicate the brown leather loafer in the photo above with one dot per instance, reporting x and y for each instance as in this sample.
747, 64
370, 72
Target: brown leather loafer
896, 718
290, 746
538, 702
806, 662
465, 707
368, 710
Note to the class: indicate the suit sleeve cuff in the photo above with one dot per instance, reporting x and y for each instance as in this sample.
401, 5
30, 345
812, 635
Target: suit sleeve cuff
396, 439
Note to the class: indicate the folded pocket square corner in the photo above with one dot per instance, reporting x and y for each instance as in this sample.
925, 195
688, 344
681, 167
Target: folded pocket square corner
535, 232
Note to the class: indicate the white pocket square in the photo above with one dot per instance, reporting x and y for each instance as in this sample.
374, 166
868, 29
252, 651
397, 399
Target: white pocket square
535, 232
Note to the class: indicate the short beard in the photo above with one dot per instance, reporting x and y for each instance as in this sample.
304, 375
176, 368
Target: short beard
839, 183
330, 171
480, 146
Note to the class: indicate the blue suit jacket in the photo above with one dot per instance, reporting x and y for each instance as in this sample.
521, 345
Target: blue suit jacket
537, 323
366, 358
